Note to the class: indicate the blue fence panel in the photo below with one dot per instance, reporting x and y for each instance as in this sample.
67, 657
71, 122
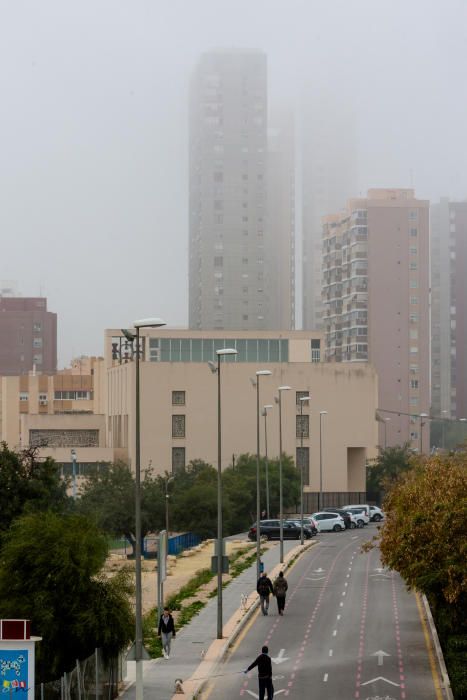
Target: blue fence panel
180, 542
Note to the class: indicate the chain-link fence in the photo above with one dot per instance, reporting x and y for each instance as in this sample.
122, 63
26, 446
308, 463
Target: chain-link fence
91, 679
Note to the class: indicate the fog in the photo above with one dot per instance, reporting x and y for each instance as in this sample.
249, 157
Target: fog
93, 130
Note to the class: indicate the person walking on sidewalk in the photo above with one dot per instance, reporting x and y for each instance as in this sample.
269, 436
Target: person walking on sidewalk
264, 588
166, 631
263, 662
280, 589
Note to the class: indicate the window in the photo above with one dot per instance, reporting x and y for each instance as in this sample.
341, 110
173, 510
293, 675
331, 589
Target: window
413, 369
413, 232
413, 350
302, 425
300, 395
413, 284
37, 342
413, 250
302, 461
414, 401
178, 459
413, 334
178, 426
218, 261
37, 327
23, 396
178, 398
414, 300
414, 383
413, 265
413, 318
37, 359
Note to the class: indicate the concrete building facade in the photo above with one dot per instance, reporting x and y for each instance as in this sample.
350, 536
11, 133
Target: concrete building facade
241, 228
179, 402
28, 336
449, 309
376, 301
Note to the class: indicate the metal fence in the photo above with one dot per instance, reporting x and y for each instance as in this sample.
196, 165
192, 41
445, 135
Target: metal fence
177, 544
91, 679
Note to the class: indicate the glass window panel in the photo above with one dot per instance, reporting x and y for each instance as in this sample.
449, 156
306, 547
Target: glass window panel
208, 350
196, 350
241, 349
178, 426
263, 350
185, 350
274, 351
302, 426
165, 349
284, 350
178, 458
252, 351
175, 350
219, 345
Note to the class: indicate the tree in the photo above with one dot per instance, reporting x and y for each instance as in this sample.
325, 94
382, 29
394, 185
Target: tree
57, 584
390, 463
27, 484
108, 496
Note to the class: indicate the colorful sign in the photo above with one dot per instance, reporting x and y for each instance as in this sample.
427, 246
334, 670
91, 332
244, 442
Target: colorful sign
13, 670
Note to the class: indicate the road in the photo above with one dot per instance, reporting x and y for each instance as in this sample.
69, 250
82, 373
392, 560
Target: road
350, 630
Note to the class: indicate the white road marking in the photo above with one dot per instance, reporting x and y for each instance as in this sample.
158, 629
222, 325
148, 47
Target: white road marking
334, 634
330, 652
380, 654
280, 657
346, 583
325, 677
338, 617
379, 678
341, 604
343, 592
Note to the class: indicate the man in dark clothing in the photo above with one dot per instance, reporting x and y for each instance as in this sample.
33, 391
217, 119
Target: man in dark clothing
264, 588
280, 590
166, 631
263, 661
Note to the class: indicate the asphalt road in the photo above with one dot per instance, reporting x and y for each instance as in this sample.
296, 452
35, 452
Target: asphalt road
350, 630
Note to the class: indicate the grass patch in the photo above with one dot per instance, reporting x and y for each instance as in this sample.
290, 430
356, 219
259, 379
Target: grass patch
203, 576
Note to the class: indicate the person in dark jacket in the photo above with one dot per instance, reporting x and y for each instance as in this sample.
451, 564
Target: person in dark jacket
280, 589
166, 631
263, 662
264, 588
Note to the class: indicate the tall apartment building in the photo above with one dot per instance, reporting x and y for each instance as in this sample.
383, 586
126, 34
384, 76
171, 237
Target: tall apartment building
328, 179
234, 256
28, 336
449, 309
376, 302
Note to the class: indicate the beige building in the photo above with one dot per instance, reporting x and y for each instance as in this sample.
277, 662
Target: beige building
179, 402
58, 413
376, 303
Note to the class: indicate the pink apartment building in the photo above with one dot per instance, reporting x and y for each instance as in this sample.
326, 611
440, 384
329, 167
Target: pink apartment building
376, 298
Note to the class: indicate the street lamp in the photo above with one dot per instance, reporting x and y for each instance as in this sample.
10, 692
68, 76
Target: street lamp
443, 428
73, 461
255, 382
303, 399
216, 369
281, 515
142, 323
321, 414
264, 413
422, 416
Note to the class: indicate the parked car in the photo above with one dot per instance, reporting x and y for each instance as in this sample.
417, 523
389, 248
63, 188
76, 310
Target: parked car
343, 513
361, 515
329, 521
361, 506
376, 514
271, 530
308, 529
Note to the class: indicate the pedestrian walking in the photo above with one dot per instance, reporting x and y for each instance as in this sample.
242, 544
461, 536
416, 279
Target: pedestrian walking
166, 631
280, 589
264, 589
263, 662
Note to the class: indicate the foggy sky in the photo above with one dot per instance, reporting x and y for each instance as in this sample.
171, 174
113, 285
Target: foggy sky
93, 130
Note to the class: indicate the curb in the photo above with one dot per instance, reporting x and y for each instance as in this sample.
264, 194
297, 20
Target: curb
445, 682
214, 656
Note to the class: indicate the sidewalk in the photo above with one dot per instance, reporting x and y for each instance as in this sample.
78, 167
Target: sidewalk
194, 640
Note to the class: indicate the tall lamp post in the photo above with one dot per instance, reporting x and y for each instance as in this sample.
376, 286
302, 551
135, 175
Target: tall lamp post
73, 461
281, 514
422, 423
303, 399
321, 414
143, 323
264, 413
255, 382
216, 369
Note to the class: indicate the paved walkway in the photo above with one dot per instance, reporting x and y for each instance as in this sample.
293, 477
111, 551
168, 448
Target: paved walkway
195, 638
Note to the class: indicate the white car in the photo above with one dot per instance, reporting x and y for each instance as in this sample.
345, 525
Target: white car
376, 514
329, 522
354, 521
360, 506
360, 514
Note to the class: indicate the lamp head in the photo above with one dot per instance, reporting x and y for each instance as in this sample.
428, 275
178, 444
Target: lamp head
212, 366
284, 388
128, 335
305, 399
423, 415
253, 381
323, 413
227, 351
263, 373
268, 405
149, 323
